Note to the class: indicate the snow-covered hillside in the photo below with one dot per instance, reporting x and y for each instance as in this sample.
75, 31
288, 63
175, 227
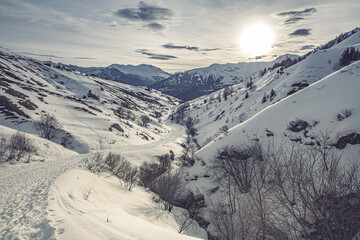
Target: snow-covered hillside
95, 113
39, 201
322, 105
214, 114
141, 75
202, 81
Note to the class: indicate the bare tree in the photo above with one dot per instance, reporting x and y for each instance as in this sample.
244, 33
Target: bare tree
169, 187
3, 146
131, 178
94, 162
48, 126
19, 146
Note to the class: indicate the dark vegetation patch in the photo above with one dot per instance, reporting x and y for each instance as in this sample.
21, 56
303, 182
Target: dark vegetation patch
15, 93
85, 110
9, 108
352, 138
4, 83
10, 74
298, 125
218, 117
28, 104
95, 108
117, 127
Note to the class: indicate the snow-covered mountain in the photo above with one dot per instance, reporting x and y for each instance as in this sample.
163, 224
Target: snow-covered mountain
202, 81
212, 112
140, 75
88, 107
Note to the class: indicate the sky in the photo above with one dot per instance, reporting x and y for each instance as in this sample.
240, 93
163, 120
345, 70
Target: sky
175, 35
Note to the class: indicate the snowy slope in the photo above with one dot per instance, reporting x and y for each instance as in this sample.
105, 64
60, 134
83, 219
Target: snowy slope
141, 75
98, 207
84, 105
201, 81
211, 114
319, 105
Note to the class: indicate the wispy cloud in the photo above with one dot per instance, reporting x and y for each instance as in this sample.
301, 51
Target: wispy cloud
301, 32
307, 47
293, 20
155, 26
40, 55
293, 17
306, 12
190, 48
154, 55
145, 12
171, 46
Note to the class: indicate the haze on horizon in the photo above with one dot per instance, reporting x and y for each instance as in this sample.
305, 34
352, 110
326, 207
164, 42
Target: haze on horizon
173, 35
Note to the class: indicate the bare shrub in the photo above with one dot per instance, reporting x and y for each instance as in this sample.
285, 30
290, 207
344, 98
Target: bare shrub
47, 126
95, 163
344, 114
131, 178
122, 168
148, 172
112, 160
292, 192
238, 164
3, 146
298, 125
19, 146
169, 187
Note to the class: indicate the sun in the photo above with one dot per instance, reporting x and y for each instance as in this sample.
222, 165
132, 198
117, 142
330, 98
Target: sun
257, 39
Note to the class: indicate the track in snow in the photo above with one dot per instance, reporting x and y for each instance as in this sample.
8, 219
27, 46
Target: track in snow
24, 192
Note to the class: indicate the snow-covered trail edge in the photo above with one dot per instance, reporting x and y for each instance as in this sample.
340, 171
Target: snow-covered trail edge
24, 192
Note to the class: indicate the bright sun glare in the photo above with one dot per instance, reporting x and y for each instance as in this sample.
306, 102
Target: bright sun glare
257, 40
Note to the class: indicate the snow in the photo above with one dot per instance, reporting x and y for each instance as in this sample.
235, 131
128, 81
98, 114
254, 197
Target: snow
92, 206
321, 102
54, 197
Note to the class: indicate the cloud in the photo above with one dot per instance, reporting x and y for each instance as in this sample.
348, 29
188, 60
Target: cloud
190, 48
260, 57
306, 47
155, 26
306, 12
154, 55
293, 20
83, 58
301, 32
209, 49
171, 46
145, 12
40, 55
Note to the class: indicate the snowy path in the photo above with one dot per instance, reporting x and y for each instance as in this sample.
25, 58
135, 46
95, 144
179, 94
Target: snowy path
24, 192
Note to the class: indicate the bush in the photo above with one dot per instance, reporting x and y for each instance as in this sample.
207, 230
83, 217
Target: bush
286, 192
95, 163
148, 172
122, 168
19, 146
3, 146
298, 125
131, 178
169, 187
144, 120
47, 126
